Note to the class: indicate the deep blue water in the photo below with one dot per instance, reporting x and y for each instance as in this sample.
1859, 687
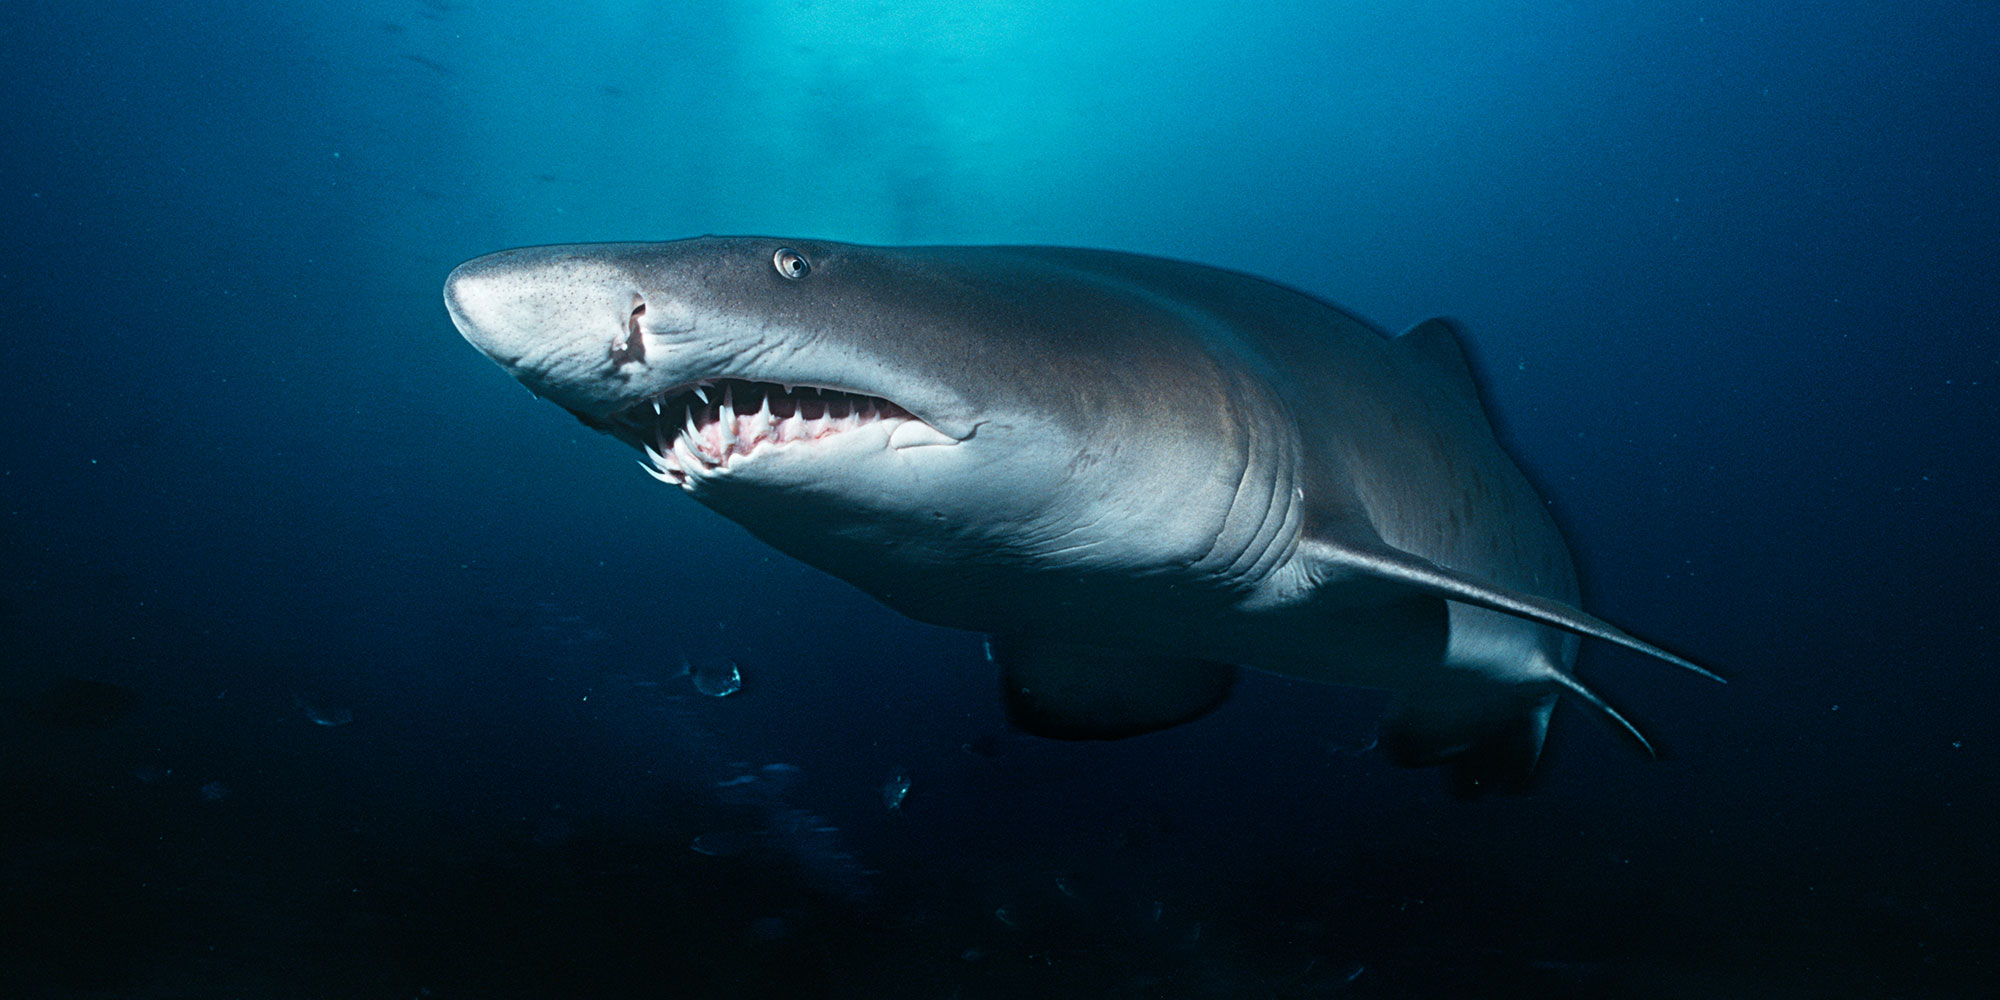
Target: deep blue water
1728, 275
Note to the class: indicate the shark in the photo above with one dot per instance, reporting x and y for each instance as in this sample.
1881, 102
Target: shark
1138, 476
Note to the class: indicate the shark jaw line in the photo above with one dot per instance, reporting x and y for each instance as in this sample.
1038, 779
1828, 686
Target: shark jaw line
703, 428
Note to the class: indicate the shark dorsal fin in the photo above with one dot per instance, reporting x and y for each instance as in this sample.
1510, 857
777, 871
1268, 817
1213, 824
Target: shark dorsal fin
1435, 344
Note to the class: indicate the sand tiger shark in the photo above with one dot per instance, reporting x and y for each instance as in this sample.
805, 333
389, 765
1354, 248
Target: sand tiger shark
1138, 475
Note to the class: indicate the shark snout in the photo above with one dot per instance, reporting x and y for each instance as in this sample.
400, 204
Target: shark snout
463, 284
574, 328
485, 305
544, 303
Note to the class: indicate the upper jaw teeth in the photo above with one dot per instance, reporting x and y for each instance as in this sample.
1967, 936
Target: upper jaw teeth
701, 429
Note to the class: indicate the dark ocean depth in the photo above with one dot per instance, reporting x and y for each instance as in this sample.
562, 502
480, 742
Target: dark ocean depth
335, 665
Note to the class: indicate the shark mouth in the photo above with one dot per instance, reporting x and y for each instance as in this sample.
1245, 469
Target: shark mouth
704, 427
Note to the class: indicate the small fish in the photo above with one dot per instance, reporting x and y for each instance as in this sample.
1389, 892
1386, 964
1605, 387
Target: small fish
895, 789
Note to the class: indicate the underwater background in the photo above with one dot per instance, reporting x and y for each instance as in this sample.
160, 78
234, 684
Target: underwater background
334, 665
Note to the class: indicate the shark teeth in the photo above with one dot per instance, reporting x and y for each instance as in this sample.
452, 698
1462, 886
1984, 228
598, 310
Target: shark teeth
704, 426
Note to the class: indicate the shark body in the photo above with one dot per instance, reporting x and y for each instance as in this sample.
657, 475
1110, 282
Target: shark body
1137, 474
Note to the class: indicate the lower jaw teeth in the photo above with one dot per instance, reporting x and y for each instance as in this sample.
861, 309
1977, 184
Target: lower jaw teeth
724, 425
686, 454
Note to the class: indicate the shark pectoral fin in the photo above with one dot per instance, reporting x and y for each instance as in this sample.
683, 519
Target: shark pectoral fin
1344, 560
1486, 736
1068, 691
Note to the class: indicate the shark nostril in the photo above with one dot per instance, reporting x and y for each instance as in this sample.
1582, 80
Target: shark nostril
631, 344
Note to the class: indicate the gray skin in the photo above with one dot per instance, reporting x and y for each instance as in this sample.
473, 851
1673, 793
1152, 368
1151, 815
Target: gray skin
1134, 472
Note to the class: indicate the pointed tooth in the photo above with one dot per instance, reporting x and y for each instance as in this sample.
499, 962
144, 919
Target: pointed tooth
664, 460
656, 406
728, 418
701, 393
760, 422
688, 429
667, 471
686, 454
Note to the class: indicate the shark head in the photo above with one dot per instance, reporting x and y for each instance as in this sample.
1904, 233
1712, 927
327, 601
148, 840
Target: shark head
880, 413
608, 330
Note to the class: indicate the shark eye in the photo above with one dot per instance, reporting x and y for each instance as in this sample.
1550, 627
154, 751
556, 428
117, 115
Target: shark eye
791, 263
